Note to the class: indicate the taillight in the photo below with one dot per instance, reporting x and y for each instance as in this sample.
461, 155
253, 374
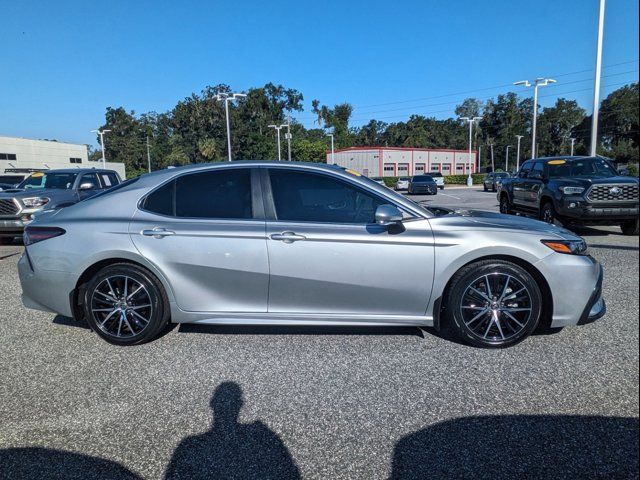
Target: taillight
33, 235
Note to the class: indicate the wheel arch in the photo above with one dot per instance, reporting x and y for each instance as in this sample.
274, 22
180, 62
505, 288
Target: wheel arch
547, 297
77, 293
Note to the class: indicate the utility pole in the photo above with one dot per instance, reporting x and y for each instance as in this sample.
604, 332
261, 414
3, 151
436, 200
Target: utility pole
493, 164
228, 97
596, 83
278, 128
519, 137
506, 160
538, 82
479, 156
471, 120
148, 155
101, 134
288, 135
333, 157
573, 141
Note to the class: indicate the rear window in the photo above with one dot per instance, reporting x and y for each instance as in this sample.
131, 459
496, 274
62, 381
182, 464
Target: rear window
423, 178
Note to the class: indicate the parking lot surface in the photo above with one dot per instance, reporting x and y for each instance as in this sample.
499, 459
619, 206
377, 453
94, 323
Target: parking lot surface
330, 403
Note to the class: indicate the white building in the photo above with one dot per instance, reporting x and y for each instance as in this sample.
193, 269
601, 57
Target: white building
21, 155
400, 161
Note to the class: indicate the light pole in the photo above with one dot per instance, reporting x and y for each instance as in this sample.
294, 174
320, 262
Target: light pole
278, 128
573, 141
288, 137
506, 160
470, 120
333, 157
538, 82
101, 133
519, 137
493, 163
148, 155
228, 97
596, 83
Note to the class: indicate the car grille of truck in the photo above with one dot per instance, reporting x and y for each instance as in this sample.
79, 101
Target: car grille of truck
607, 193
8, 207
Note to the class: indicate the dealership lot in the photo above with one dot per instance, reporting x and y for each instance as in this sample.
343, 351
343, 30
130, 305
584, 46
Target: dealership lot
330, 402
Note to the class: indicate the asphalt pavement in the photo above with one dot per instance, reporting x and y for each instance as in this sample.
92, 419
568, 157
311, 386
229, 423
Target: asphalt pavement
323, 403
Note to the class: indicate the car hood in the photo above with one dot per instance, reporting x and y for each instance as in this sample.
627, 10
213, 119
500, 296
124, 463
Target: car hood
587, 182
499, 221
32, 192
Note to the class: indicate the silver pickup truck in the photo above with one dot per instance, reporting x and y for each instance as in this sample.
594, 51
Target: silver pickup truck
48, 190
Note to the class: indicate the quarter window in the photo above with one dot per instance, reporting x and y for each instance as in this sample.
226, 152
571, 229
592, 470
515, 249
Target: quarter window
91, 178
311, 197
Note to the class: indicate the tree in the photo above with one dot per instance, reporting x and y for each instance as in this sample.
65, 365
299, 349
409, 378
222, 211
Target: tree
555, 125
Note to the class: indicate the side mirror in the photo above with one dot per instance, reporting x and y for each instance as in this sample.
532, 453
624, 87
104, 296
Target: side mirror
387, 215
87, 186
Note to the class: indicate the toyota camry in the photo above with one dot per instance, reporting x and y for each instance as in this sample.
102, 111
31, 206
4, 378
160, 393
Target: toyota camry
296, 243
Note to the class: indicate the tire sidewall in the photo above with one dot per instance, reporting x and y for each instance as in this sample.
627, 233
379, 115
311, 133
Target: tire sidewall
470, 274
159, 317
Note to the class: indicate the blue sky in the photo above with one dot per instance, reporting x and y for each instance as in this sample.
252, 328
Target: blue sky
64, 62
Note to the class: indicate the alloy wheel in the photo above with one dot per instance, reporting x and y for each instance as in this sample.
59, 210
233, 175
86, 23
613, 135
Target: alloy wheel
496, 307
121, 306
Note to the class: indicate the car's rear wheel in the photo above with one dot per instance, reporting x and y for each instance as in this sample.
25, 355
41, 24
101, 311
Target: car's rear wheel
548, 214
494, 303
125, 304
505, 205
630, 227
484, 187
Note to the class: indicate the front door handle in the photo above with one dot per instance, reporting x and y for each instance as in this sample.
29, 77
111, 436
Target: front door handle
287, 237
158, 232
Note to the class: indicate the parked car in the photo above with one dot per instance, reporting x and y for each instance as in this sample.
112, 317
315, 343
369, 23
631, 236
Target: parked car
10, 180
439, 179
49, 190
296, 243
573, 190
403, 183
422, 184
493, 179
379, 181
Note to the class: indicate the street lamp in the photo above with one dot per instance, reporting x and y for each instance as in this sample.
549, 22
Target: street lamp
470, 120
596, 83
506, 160
519, 137
101, 133
278, 128
538, 82
573, 141
228, 97
333, 157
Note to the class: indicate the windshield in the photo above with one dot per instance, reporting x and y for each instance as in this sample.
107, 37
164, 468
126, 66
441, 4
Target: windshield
586, 167
423, 178
60, 181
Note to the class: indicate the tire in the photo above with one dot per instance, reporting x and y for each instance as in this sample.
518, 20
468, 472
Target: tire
629, 227
548, 214
483, 323
505, 205
6, 240
124, 325
484, 187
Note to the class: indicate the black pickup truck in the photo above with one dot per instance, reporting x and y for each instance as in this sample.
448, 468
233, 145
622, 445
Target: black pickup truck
573, 190
51, 189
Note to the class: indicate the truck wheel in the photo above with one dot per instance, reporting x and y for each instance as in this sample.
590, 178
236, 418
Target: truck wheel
629, 227
548, 214
505, 205
484, 186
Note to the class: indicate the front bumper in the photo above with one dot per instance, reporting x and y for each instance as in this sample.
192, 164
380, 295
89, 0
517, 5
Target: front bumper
580, 210
596, 306
12, 227
427, 189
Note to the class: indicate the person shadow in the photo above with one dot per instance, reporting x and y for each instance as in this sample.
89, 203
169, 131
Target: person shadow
230, 449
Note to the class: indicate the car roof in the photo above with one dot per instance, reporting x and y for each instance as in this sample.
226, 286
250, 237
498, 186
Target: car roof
567, 158
76, 170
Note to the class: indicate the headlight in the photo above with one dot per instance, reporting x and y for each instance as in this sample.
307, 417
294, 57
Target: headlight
35, 202
572, 190
570, 247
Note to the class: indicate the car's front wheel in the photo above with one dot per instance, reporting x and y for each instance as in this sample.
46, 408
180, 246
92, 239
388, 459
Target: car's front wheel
505, 205
125, 304
548, 214
630, 227
494, 303
6, 240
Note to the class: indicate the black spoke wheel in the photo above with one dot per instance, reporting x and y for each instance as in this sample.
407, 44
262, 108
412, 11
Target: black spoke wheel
548, 214
505, 205
494, 304
125, 304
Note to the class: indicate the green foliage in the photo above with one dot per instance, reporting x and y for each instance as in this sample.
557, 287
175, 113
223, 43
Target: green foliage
390, 181
478, 178
633, 170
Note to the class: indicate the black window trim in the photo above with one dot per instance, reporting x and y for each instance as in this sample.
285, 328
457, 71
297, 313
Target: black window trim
270, 209
257, 205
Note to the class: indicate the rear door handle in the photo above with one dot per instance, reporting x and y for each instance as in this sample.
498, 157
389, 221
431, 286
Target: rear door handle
158, 232
287, 237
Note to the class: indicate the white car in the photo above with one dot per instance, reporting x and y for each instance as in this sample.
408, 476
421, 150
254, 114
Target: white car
403, 183
437, 176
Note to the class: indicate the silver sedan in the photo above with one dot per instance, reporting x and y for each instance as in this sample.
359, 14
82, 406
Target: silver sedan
294, 243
